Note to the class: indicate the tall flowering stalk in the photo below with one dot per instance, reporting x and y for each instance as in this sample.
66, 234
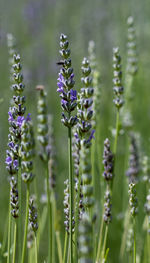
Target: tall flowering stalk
83, 136
16, 117
68, 102
44, 153
133, 203
33, 223
96, 117
118, 91
108, 174
134, 165
27, 152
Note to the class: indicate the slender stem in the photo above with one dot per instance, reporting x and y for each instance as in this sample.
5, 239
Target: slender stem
71, 193
117, 133
9, 231
124, 236
36, 251
42, 223
77, 218
15, 237
49, 210
59, 247
100, 238
148, 240
105, 241
26, 225
134, 226
5, 237
65, 247
20, 214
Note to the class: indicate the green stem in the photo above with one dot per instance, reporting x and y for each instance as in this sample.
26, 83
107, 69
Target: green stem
117, 133
20, 213
14, 245
9, 231
148, 241
77, 218
26, 225
42, 223
49, 210
65, 247
100, 239
4, 237
59, 247
105, 241
36, 251
71, 193
134, 226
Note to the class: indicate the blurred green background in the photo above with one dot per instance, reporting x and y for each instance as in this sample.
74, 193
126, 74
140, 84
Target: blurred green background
36, 25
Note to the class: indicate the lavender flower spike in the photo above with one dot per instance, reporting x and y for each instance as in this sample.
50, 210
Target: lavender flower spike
65, 84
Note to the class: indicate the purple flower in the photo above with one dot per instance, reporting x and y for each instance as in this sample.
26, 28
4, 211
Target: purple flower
76, 135
64, 102
15, 163
73, 94
10, 116
60, 83
8, 160
91, 136
11, 145
28, 117
20, 120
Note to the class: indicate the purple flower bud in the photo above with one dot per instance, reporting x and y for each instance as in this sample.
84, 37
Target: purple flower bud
8, 160
10, 117
73, 94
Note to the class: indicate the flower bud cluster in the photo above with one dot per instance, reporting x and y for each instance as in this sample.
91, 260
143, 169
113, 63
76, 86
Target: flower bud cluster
96, 82
30, 237
134, 166
85, 101
108, 207
66, 83
87, 188
11, 43
133, 202
33, 216
85, 239
117, 80
27, 151
42, 126
108, 161
16, 118
67, 208
131, 48
14, 201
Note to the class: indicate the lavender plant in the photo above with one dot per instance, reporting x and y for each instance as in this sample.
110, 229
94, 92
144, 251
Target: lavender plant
68, 102
133, 202
118, 91
42, 131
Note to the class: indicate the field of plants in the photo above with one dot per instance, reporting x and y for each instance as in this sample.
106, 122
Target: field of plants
74, 133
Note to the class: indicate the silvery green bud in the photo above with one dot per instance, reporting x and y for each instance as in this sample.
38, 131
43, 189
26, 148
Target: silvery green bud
107, 206
33, 216
117, 80
14, 198
133, 202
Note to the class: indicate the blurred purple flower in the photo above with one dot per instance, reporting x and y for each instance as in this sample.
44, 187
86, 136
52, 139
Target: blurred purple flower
8, 160
91, 136
73, 94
